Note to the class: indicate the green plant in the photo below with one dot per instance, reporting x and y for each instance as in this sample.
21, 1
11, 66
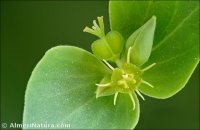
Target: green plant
72, 85
126, 77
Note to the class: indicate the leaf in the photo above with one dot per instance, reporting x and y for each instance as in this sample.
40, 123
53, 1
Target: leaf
176, 42
141, 42
62, 89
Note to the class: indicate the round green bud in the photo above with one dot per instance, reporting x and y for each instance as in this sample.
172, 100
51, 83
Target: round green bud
108, 47
115, 41
100, 48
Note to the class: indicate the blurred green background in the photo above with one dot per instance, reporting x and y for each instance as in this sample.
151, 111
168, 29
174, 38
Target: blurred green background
29, 29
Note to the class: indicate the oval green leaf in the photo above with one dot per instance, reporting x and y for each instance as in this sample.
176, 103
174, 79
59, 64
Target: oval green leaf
176, 40
62, 89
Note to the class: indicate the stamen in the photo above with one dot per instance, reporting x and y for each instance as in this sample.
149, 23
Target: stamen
138, 92
120, 82
148, 67
103, 85
132, 99
147, 83
129, 55
108, 64
115, 98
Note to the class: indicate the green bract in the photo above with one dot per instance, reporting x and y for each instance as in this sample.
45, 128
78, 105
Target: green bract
71, 85
141, 41
62, 89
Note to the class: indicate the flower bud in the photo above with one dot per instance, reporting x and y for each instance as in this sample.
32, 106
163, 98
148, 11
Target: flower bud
109, 47
115, 41
101, 49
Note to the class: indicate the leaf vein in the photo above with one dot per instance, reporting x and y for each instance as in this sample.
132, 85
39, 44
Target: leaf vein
174, 57
76, 109
173, 31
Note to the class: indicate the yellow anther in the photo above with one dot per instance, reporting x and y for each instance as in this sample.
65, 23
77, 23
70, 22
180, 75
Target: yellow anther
131, 75
126, 86
134, 81
120, 82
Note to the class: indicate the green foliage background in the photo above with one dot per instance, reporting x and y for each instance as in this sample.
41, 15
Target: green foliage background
29, 29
